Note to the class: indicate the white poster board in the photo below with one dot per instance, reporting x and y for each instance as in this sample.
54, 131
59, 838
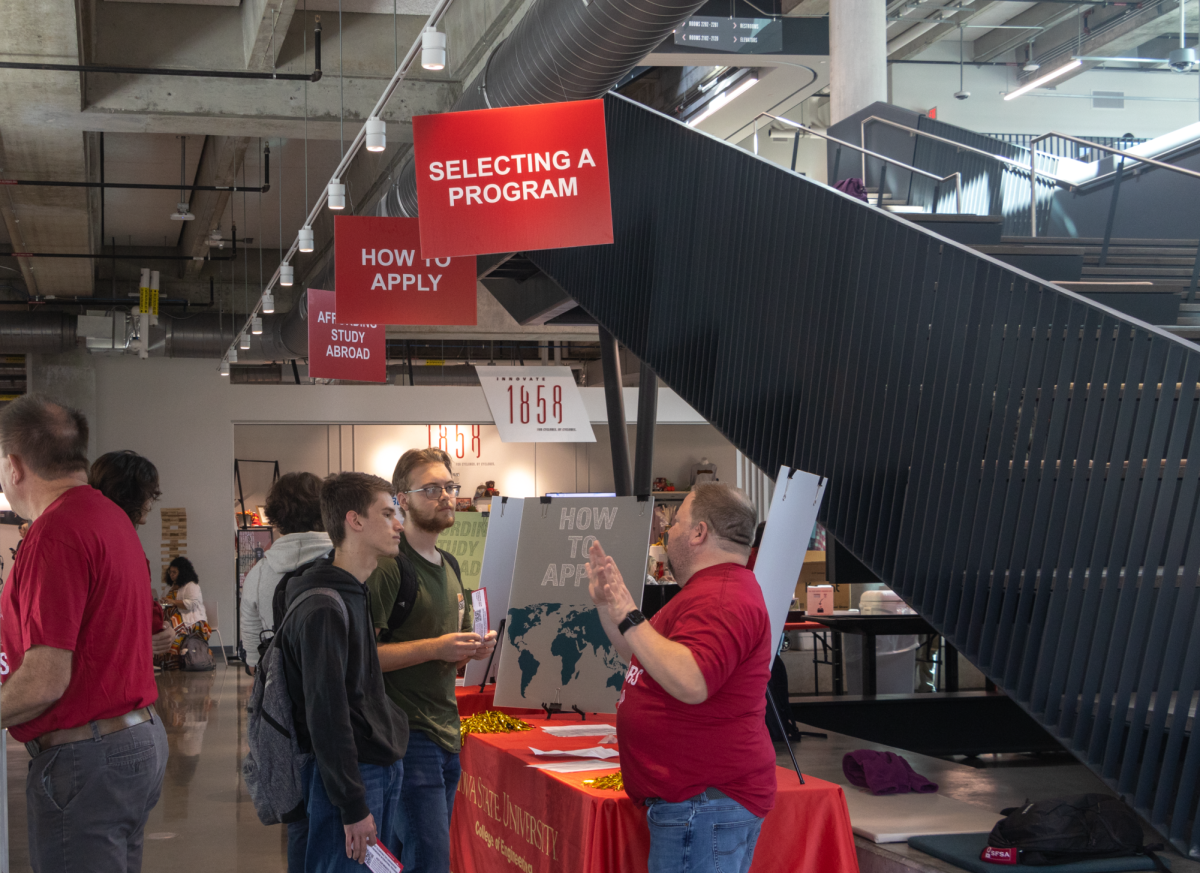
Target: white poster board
499, 558
535, 404
555, 648
785, 541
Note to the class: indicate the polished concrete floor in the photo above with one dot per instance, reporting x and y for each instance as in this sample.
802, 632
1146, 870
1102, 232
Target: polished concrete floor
205, 818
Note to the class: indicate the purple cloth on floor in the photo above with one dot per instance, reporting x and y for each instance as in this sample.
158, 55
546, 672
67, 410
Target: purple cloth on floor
853, 187
884, 773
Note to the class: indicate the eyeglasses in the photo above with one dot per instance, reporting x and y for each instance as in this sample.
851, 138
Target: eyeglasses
433, 492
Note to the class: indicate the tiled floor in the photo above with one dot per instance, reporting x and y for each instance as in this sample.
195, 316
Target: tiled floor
205, 820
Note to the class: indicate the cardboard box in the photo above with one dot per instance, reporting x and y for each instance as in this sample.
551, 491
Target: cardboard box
820, 600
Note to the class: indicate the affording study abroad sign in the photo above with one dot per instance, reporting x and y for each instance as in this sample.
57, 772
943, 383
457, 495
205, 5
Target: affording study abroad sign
382, 277
516, 179
357, 352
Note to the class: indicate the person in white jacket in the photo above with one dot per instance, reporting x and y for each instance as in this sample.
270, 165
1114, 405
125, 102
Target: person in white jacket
294, 509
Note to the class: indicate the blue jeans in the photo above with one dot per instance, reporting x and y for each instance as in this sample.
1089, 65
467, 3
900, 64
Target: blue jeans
297, 833
430, 780
326, 850
700, 835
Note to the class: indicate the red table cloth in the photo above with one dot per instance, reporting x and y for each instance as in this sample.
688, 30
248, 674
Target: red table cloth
508, 815
471, 700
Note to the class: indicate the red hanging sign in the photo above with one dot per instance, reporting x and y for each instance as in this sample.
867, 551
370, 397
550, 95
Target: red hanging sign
510, 180
382, 278
357, 352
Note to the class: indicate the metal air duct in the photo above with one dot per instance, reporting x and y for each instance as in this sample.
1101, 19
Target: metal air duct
561, 50
23, 333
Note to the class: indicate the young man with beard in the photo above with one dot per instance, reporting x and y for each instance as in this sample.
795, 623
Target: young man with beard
420, 656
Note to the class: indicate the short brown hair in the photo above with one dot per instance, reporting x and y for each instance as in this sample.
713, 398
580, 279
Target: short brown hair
348, 492
728, 512
128, 480
51, 439
294, 503
411, 460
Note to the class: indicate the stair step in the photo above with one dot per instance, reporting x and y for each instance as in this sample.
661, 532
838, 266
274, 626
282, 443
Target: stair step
1099, 241
1140, 272
1147, 261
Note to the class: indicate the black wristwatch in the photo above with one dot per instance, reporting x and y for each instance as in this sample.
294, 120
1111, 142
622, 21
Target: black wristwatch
634, 617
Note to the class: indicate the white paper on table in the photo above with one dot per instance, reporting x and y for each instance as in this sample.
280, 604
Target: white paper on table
575, 766
580, 730
479, 605
594, 752
380, 860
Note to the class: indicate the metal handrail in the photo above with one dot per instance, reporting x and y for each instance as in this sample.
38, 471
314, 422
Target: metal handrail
1033, 173
957, 177
1015, 164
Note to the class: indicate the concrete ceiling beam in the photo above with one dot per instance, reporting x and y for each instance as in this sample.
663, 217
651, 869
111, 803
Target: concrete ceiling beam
1038, 18
904, 46
265, 23
805, 8
220, 163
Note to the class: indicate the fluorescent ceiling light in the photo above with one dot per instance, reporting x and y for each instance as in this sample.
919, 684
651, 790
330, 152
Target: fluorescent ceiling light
722, 98
1102, 58
1042, 80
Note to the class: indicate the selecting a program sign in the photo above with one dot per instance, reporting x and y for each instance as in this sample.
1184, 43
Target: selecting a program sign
516, 179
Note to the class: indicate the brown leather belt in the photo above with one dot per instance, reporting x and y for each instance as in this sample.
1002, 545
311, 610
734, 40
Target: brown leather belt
93, 730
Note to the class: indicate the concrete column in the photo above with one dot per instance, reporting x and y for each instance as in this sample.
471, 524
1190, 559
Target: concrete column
857, 56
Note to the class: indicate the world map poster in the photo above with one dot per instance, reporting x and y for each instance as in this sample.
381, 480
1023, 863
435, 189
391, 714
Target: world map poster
555, 648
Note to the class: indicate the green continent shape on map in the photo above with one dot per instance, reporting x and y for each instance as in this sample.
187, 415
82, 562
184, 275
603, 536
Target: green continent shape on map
529, 666
578, 630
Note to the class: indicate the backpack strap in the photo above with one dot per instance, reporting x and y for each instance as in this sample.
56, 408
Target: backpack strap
279, 596
325, 592
406, 596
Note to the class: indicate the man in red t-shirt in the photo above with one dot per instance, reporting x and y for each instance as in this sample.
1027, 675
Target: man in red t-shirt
74, 651
691, 718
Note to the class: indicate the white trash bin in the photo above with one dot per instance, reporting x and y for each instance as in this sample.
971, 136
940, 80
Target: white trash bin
895, 654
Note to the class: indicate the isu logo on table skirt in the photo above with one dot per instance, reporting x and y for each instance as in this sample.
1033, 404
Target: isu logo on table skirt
382, 278
357, 352
507, 180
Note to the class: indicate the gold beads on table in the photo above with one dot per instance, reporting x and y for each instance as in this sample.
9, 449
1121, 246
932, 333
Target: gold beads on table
611, 782
491, 722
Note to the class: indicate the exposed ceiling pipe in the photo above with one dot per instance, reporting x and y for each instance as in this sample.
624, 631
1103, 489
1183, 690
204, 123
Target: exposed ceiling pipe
559, 51
10, 223
315, 76
22, 256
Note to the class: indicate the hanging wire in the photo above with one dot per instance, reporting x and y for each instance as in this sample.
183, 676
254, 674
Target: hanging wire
245, 259
260, 223
305, 29
341, 85
280, 200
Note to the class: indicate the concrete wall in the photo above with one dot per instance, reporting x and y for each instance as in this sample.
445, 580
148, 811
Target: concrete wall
182, 415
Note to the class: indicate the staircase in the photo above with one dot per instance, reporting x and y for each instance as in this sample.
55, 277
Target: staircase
1010, 458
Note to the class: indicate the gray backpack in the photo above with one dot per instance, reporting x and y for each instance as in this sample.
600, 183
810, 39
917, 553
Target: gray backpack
194, 654
272, 769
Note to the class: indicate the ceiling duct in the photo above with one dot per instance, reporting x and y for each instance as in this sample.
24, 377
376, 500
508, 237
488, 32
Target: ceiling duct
36, 332
559, 51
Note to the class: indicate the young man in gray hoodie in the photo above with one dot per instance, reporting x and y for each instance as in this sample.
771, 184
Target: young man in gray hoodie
294, 509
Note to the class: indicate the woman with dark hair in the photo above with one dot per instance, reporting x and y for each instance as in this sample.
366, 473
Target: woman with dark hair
131, 481
128, 480
184, 605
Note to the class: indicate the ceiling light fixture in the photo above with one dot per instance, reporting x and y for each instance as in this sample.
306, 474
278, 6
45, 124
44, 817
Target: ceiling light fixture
224, 368
433, 49
304, 239
1042, 80
722, 98
376, 134
182, 213
244, 341
337, 194
268, 303
232, 356
255, 327
286, 274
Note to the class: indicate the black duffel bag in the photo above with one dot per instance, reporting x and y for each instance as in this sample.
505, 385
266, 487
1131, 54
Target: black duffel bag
1079, 828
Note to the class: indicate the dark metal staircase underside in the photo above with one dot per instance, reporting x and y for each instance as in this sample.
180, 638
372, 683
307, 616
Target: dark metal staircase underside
1007, 456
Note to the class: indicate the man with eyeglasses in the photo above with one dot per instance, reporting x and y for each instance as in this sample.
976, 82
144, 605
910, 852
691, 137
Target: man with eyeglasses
423, 619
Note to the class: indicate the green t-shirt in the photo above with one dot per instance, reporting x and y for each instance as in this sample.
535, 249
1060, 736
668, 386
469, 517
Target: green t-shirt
424, 691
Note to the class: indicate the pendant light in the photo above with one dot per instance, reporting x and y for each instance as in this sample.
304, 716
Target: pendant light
244, 341
255, 328
286, 274
337, 194
232, 356
305, 239
268, 303
433, 49
182, 211
376, 134
224, 368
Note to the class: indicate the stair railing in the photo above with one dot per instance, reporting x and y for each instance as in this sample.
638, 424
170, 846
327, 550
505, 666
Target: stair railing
937, 180
1112, 206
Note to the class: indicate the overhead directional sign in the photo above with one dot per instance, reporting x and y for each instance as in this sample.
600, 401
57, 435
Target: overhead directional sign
535, 404
741, 35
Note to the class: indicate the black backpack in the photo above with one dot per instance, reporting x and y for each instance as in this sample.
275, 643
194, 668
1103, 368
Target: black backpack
1079, 828
405, 598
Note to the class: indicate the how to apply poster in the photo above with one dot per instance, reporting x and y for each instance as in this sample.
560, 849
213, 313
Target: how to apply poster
555, 647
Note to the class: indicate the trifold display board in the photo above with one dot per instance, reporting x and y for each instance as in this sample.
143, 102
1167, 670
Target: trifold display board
499, 557
555, 648
781, 553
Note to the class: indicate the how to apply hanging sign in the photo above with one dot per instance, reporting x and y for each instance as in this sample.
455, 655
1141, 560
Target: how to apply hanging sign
383, 277
515, 179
